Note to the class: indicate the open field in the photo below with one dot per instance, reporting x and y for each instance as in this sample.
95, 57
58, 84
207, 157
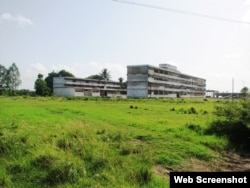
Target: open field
94, 142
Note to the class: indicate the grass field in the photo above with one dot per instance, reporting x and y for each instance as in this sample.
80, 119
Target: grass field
95, 142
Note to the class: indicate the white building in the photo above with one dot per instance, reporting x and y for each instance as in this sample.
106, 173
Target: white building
146, 81
71, 86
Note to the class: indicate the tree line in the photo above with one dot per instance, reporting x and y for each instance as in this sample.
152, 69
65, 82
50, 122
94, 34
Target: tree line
9, 79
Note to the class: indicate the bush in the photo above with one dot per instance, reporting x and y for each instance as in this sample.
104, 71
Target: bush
238, 134
195, 128
192, 110
233, 122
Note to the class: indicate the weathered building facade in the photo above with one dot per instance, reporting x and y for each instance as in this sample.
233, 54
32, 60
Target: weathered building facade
71, 86
146, 81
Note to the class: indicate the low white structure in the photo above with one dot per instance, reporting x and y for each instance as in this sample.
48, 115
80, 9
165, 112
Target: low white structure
212, 93
146, 81
71, 86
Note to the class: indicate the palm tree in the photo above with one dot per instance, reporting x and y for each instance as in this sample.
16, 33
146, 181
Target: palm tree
105, 74
120, 81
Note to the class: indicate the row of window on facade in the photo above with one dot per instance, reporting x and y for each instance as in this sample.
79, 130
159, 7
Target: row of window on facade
160, 92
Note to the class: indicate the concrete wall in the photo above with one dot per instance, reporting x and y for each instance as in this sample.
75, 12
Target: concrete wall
137, 89
64, 92
79, 94
143, 69
137, 82
137, 93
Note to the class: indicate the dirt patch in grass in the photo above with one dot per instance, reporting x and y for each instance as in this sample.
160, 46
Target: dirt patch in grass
161, 171
236, 162
193, 164
136, 142
230, 162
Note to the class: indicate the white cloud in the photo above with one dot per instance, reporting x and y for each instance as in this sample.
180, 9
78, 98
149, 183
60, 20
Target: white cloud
246, 16
19, 19
247, 2
59, 67
29, 75
39, 68
83, 70
234, 53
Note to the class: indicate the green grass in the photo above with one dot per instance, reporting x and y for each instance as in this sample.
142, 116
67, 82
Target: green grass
94, 142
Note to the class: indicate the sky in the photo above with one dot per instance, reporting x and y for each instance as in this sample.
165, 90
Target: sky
208, 39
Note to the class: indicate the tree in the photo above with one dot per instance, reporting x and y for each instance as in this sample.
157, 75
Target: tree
9, 78
49, 78
13, 77
120, 81
95, 77
244, 91
64, 73
3, 72
105, 74
41, 87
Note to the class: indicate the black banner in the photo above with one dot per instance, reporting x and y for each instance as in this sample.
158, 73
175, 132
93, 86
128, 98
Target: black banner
209, 179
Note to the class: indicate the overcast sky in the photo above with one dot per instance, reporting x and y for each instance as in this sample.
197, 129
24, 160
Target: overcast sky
85, 36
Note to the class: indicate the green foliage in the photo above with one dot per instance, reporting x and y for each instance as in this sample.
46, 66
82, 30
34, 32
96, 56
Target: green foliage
233, 122
196, 128
105, 74
3, 72
237, 133
9, 79
25, 92
244, 92
95, 77
192, 110
234, 112
41, 88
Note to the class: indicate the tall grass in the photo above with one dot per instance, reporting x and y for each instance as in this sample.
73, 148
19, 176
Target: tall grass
94, 142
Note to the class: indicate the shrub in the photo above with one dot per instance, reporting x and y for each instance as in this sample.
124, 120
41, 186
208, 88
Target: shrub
195, 128
172, 109
143, 175
233, 122
192, 110
238, 134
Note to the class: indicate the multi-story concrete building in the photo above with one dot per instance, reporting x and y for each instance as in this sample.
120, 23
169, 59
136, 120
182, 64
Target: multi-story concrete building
145, 81
70, 86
